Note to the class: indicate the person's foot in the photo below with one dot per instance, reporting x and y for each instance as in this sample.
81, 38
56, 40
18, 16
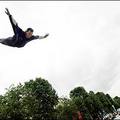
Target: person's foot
7, 12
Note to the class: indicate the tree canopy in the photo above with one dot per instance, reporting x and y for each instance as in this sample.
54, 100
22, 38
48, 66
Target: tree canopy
38, 100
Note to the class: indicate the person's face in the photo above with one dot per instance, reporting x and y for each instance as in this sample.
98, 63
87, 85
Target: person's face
29, 34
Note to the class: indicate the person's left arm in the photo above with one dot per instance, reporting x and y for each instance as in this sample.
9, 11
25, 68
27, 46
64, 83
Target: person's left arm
39, 37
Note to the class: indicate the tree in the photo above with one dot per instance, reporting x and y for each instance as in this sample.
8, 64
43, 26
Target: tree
94, 105
39, 99
65, 109
78, 96
117, 101
107, 105
11, 105
34, 100
78, 92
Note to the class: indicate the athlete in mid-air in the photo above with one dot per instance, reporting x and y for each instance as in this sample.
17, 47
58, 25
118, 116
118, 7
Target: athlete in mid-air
20, 37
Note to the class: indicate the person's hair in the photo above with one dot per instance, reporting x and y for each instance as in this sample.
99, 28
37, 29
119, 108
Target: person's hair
29, 29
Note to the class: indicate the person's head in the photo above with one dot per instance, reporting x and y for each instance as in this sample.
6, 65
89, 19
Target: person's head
29, 32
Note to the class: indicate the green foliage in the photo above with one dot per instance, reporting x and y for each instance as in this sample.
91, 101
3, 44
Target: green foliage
65, 109
34, 100
78, 92
41, 98
92, 105
37, 100
107, 105
117, 101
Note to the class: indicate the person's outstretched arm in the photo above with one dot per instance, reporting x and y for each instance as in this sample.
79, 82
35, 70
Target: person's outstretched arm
14, 24
39, 37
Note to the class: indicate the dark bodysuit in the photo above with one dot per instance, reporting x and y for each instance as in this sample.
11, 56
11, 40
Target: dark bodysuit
19, 39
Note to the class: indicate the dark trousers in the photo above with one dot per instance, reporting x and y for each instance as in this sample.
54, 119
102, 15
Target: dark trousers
10, 41
14, 24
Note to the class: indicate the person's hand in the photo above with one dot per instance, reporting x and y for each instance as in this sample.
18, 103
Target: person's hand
7, 12
46, 35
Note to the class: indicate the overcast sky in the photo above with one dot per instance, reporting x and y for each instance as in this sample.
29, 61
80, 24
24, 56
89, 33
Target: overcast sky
83, 48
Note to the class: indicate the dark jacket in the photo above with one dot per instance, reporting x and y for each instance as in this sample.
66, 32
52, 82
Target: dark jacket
19, 39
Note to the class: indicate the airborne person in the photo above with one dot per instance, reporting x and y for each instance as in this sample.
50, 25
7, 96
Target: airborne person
20, 37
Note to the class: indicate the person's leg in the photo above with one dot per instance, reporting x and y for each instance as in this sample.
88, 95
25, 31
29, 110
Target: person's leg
13, 23
16, 28
7, 41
